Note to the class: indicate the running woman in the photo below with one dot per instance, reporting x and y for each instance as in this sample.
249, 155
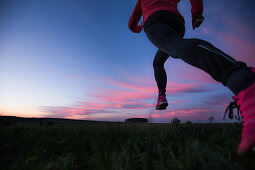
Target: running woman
165, 28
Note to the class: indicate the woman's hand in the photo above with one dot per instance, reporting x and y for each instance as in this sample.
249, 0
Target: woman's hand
138, 29
197, 21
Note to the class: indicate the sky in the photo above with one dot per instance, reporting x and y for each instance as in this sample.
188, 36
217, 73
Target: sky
77, 59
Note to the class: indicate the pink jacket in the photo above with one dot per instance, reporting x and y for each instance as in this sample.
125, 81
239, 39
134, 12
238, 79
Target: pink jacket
146, 7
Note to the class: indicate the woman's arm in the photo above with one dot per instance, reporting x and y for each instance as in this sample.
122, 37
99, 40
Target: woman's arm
196, 7
196, 11
135, 18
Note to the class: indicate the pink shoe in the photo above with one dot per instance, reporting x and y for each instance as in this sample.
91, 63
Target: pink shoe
245, 101
162, 103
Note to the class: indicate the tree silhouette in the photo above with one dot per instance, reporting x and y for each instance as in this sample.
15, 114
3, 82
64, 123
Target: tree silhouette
175, 120
188, 122
211, 119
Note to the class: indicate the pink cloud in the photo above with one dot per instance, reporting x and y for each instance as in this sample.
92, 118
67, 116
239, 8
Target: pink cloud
234, 33
132, 86
117, 98
183, 72
180, 113
119, 95
132, 89
241, 49
173, 88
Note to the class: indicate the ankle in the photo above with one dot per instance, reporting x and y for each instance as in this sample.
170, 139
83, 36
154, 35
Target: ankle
240, 80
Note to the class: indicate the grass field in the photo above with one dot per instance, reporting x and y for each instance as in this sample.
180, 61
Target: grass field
94, 145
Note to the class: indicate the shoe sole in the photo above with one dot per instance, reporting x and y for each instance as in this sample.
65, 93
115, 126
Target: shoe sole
162, 106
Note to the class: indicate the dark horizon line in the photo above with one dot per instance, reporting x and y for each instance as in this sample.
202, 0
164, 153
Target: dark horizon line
16, 118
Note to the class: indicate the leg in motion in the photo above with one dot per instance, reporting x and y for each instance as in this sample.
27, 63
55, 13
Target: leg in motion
159, 71
161, 78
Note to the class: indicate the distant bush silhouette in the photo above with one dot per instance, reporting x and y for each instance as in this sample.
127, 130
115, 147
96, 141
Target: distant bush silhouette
136, 120
211, 119
188, 122
175, 120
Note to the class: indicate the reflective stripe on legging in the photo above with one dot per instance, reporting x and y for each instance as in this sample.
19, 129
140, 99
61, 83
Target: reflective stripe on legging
214, 51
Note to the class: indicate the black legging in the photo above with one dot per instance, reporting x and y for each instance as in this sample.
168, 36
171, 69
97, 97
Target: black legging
166, 30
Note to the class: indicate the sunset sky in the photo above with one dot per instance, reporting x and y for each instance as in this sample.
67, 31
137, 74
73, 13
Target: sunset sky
77, 59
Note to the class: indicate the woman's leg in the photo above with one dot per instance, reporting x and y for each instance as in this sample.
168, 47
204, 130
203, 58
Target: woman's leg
159, 71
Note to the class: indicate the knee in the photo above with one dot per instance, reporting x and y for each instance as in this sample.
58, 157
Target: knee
157, 63
160, 59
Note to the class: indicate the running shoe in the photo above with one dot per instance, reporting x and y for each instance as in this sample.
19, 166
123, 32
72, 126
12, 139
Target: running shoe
245, 102
162, 103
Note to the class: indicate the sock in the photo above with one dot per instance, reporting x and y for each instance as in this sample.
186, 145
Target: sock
240, 80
